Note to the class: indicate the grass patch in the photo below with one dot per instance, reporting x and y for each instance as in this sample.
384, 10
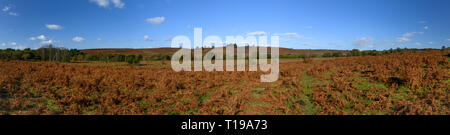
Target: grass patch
365, 85
256, 92
259, 104
203, 99
305, 101
402, 95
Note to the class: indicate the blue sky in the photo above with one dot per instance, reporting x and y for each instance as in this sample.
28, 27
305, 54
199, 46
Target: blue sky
302, 24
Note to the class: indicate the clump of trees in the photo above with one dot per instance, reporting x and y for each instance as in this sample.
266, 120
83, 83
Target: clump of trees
157, 56
50, 53
356, 52
61, 54
45, 53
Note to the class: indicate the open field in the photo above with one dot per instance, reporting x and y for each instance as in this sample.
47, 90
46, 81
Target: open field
400, 83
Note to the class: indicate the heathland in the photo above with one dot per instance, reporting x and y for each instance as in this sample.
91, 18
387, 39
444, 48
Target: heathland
397, 83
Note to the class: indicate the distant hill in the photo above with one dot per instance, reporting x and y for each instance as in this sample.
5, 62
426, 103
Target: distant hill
170, 51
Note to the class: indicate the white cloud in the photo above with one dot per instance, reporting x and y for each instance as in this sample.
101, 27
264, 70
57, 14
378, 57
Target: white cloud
156, 20
3, 44
426, 27
403, 39
32, 38
257, 33
48, 42
13, 14
361, 42
99, 39
78, 39
6, 8
53, 26
105, 3
309, 27
118, 3
41, 37
102, 3
417, 43
146, 38
448, 39
430, 43
13, 43
406, 36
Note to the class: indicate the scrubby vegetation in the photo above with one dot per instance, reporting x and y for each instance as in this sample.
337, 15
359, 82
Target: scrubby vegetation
412, 82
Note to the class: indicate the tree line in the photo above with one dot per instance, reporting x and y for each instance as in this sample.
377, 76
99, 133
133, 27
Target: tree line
61, 54
356, 52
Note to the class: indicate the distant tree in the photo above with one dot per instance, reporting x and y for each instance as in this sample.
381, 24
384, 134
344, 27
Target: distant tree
130, 59
50, 53
138, 59
17, 55
373, 52
337, 54
355, 52
75, 52
327, 54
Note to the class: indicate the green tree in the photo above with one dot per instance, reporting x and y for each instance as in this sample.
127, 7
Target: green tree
355, 52
326, 55
130, 59
337, 54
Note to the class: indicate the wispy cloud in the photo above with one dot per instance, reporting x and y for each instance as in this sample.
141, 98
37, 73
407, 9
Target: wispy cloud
106, 3
156, 20
426, 27
13, 14
407, 36
15, 45
6, 8
257, 33
309, 27
362, 42
294, 35
118, 3
54, 27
